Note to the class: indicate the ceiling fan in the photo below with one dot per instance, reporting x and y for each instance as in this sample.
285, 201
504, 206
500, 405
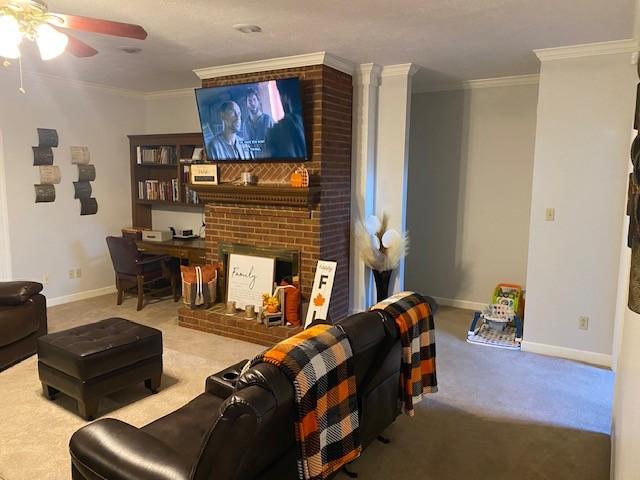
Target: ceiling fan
31, 19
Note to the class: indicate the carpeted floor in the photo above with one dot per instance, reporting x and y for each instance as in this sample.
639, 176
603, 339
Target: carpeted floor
498, 415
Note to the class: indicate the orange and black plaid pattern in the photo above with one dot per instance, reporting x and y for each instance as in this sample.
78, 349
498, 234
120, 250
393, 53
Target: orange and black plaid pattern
418, 340
319, 363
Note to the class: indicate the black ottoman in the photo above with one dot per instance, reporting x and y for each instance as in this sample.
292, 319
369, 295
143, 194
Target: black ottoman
91, 361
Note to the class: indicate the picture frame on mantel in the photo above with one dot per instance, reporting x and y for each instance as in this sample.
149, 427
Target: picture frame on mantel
203, 174
248, 277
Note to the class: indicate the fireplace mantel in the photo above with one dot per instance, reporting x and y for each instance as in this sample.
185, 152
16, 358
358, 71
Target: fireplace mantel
280, 195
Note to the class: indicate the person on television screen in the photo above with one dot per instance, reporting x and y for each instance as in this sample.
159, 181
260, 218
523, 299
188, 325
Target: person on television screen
258, 122
286, 138
228, 145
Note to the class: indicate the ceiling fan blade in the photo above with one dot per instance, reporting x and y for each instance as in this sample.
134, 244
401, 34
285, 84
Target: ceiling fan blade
77, 47
106, 27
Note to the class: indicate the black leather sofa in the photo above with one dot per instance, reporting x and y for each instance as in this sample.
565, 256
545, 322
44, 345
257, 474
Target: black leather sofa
243, 431
23, 319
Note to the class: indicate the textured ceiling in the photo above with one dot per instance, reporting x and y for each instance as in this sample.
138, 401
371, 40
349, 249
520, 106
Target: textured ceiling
450, 39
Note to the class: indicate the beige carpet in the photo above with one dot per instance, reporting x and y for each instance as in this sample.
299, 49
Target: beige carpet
35, 432
498, 415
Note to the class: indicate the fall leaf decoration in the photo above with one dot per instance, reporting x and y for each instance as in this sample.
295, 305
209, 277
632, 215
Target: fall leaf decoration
319, 300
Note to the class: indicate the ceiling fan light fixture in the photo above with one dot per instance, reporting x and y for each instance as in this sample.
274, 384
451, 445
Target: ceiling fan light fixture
51, 42
10, 37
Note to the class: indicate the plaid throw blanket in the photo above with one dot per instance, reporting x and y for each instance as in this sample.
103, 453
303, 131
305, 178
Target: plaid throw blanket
417, 337
319, 363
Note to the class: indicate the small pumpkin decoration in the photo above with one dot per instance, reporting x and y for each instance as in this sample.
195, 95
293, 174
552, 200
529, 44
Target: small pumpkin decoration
300, 177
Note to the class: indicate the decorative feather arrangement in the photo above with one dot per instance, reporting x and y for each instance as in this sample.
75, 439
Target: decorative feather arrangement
381, 248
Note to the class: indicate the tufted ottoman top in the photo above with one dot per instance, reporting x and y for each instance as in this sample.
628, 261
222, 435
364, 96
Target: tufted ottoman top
91, 350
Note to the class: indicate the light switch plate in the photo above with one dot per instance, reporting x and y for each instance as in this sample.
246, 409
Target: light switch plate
550, 214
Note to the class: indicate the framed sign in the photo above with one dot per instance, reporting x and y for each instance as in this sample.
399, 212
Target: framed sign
321, 293
248, 278
204, 174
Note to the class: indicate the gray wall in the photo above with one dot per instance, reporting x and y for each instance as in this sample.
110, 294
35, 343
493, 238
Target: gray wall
469, 193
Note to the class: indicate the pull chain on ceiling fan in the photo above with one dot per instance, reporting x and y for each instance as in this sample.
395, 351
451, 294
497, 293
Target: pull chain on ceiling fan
31, 20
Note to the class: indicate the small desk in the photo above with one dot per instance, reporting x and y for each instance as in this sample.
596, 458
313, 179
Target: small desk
192, 250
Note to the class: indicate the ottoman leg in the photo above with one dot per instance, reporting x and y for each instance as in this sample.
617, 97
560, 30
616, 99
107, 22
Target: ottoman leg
87, 407
153, 383
50, 392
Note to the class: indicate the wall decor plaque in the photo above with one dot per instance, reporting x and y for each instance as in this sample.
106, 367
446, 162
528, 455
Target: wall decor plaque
45, 193
86, 173
49, 174
88, 206
321, 293
80, 155
248, 278
204, 174
82, 189
42, 156
47, 137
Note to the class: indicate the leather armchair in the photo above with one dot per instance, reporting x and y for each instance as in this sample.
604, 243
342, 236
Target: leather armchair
23, 318
244, 431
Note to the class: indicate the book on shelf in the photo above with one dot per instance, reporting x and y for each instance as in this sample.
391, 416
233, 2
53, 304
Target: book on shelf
165, 155
159, 190
190, 195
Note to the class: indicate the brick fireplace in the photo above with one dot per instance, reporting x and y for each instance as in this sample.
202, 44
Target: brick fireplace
314, 221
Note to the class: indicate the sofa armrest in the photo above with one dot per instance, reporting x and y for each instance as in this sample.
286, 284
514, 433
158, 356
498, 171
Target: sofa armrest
113, 449
223, 383
16, 293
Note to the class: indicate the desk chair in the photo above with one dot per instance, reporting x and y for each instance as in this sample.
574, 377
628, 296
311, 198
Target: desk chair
134, 269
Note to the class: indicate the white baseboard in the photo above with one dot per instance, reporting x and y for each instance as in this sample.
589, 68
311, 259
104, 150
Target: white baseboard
74, 297
454, 302
600, 359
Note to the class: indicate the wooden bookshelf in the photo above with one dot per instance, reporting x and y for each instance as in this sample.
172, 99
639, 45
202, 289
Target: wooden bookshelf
155, 161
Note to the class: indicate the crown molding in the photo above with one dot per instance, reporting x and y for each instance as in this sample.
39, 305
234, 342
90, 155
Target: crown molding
338, 63
510, 81
122, 92
587, 50
403, 69
73, 83
177, 93
305, 60
367, 74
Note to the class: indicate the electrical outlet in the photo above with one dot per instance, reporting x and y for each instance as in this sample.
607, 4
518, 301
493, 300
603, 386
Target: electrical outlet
72, 274
583, 322
550, 214
45, 279
78, 272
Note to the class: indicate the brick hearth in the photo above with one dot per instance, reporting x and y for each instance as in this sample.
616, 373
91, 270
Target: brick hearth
318, 231
236, 326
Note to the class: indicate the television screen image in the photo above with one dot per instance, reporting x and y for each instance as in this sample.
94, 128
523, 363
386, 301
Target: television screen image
258, 121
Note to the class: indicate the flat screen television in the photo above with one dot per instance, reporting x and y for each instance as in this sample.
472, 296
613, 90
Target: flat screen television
255, 122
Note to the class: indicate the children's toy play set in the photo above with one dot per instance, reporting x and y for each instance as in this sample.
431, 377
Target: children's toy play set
500, 324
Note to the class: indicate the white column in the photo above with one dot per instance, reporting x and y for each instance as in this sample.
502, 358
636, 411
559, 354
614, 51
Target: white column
365, 109
392, 151
5, 253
